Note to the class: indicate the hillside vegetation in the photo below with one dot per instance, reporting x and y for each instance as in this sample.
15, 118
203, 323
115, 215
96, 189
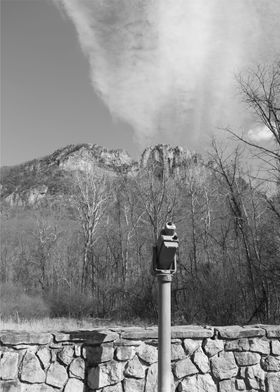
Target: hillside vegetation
84, 248
78, 228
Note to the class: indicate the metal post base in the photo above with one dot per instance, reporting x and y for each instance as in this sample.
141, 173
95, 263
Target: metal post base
164, 332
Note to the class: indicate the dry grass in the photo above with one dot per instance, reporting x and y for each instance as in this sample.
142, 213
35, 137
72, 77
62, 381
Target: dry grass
63, 324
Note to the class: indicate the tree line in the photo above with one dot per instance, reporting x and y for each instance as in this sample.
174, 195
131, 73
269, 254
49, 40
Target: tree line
88, 253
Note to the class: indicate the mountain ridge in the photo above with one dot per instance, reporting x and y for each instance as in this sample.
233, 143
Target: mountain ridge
30, 181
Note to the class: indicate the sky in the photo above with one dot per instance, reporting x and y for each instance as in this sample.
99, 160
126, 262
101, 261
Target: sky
47, 100
126, 74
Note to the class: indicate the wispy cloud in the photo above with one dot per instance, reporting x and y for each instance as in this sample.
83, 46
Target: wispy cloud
260, 134
167, 67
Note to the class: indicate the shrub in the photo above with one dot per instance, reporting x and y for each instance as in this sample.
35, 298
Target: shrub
71, 304
17, 304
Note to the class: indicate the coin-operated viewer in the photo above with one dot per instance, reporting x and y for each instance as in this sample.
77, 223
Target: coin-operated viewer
164, 266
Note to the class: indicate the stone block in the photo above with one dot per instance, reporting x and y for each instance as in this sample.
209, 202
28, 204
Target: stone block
271, 364
148, 353
237, 345
56, 375
62, 337
255, 377
236, 332
273, 331
10, 386
184, 367
77, 368
56, 345
139, 333
240, 385
177, 352
176, 341
201, 361
78, 350
275, 347
66, 355
127, 342
242, 372
105, 374
213, 347
74, 385
273, 382
98, 354
247, 358
113, 388
227, 385
104, 336
197, 383
9, 365
259, 345
31, 370
151, 382
191, 332
44, 356
89, 337
191, 345
53, 356
125, 353
13, 339
154, 342
223, 365
25, 347
133, 385
134, 368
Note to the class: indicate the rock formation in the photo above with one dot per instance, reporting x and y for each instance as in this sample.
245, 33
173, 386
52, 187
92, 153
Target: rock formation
168, 159
30, 182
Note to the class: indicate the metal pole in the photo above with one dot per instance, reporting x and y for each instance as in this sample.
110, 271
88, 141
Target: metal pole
164, 332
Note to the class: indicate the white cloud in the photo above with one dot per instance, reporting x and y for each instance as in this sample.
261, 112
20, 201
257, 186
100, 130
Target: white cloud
167, 66
260, 134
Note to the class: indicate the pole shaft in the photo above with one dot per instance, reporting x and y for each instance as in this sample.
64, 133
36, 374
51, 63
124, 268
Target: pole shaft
164, 333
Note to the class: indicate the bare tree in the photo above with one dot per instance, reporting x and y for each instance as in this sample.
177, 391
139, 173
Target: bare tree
129, 216
159, 197
45, 234
249, 213
89, 200
260, 91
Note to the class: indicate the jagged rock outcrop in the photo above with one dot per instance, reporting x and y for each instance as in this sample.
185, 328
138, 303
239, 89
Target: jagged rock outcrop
28, 197
88, 156
167, 158
30, 182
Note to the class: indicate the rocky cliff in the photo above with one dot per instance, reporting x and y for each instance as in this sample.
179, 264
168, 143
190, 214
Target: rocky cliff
31, 181
87, 156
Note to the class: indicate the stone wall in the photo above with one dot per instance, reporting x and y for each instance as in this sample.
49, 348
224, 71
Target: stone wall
218, 359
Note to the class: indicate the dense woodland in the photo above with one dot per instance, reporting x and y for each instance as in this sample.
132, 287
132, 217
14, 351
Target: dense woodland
86, 249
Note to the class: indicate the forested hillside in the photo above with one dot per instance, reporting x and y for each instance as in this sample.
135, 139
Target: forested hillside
78, 226
84, 247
